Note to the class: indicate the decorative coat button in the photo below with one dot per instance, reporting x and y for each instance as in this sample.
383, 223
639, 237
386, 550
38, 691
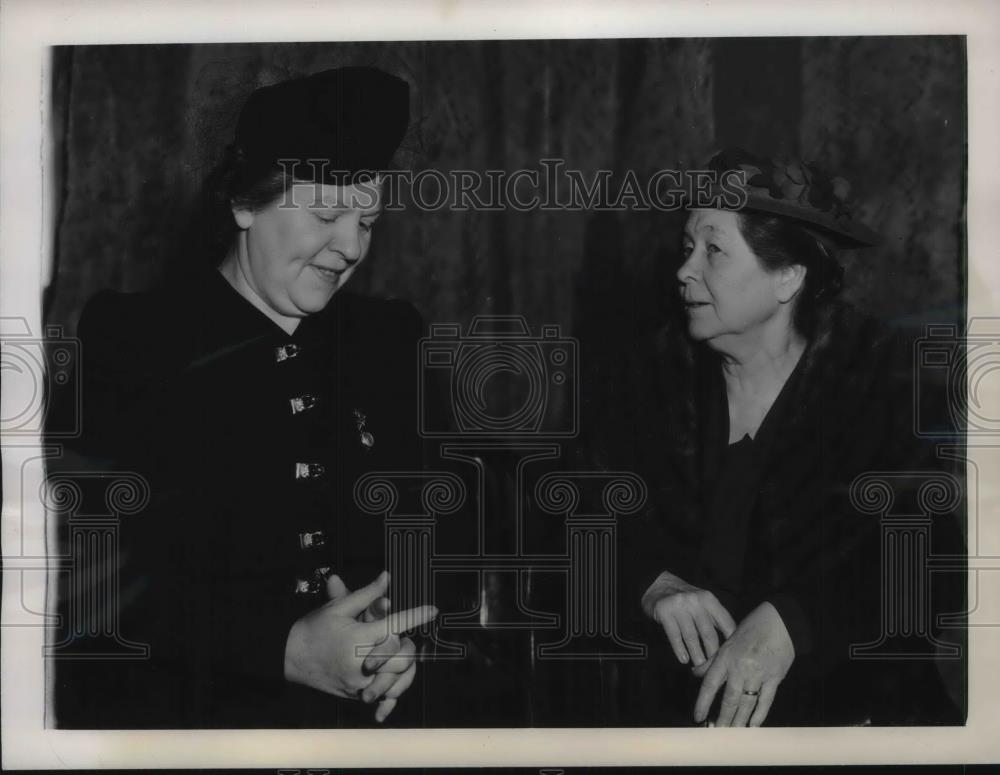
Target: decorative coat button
303, 403
285, 352
313, 583
315, 540
366, 436
309, 470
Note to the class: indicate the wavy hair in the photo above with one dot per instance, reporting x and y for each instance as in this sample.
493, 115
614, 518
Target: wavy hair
779, 242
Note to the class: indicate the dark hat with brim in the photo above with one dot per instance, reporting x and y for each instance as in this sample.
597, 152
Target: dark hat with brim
796, 190
336, 126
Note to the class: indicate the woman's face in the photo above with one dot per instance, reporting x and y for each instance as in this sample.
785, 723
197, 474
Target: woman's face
302, 248
726, 291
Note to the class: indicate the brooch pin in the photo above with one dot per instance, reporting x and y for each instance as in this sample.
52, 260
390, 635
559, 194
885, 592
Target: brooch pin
361, 421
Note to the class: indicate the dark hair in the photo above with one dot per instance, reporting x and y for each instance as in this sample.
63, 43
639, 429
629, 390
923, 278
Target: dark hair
235, 181
780, 242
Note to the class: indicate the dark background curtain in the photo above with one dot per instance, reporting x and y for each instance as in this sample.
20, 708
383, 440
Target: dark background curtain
137, 128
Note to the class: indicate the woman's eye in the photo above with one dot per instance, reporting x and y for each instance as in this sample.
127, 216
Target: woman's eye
687, 250
367, 227
326, 218
713, 249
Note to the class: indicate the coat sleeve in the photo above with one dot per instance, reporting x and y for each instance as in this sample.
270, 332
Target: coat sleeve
829, 598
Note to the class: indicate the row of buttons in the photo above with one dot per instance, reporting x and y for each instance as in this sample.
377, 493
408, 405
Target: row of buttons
314, 583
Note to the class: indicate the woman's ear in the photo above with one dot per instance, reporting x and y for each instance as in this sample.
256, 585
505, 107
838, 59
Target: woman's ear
790, 281
243, 216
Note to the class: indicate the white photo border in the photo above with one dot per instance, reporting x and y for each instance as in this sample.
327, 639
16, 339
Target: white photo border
29, 29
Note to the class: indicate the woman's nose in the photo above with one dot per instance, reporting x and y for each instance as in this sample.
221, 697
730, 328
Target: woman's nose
346, 239
687, 272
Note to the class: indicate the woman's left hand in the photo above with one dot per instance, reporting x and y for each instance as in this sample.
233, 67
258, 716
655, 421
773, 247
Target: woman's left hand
751, 664
395, 669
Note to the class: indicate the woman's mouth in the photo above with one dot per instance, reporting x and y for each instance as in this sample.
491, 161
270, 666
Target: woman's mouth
330, 275
693, 305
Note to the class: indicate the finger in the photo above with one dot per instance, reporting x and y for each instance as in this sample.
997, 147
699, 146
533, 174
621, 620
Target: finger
401, 621
393, 655
767, 692
747, 703
360, 684
710, 685
691, 640
376, 690
402, 682
336, 588
383, 709
676, 641
703, 668
729, 705
379, 653
401, 662
377, 610
354, 603
709, 638
722, 618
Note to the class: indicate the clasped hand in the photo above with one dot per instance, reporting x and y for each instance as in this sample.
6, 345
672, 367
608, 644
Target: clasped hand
352, 646
751, 660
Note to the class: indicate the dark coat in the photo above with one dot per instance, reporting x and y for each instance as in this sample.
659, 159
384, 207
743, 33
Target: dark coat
846, 411
218, 408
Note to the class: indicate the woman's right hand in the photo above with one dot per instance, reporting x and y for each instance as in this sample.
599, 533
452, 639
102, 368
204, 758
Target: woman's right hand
690, 616
326, 648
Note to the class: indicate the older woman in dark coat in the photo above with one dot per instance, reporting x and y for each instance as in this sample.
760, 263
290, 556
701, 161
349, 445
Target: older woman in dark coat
252, 395
749, 421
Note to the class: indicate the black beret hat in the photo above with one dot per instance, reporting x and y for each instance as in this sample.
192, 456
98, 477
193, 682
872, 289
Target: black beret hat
336, 124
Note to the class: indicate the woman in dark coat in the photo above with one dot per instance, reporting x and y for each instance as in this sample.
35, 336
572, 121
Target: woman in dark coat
750, 421
251, 396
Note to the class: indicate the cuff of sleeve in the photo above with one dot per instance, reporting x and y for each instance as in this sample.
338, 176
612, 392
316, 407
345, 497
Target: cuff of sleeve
795, 620
257, 648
